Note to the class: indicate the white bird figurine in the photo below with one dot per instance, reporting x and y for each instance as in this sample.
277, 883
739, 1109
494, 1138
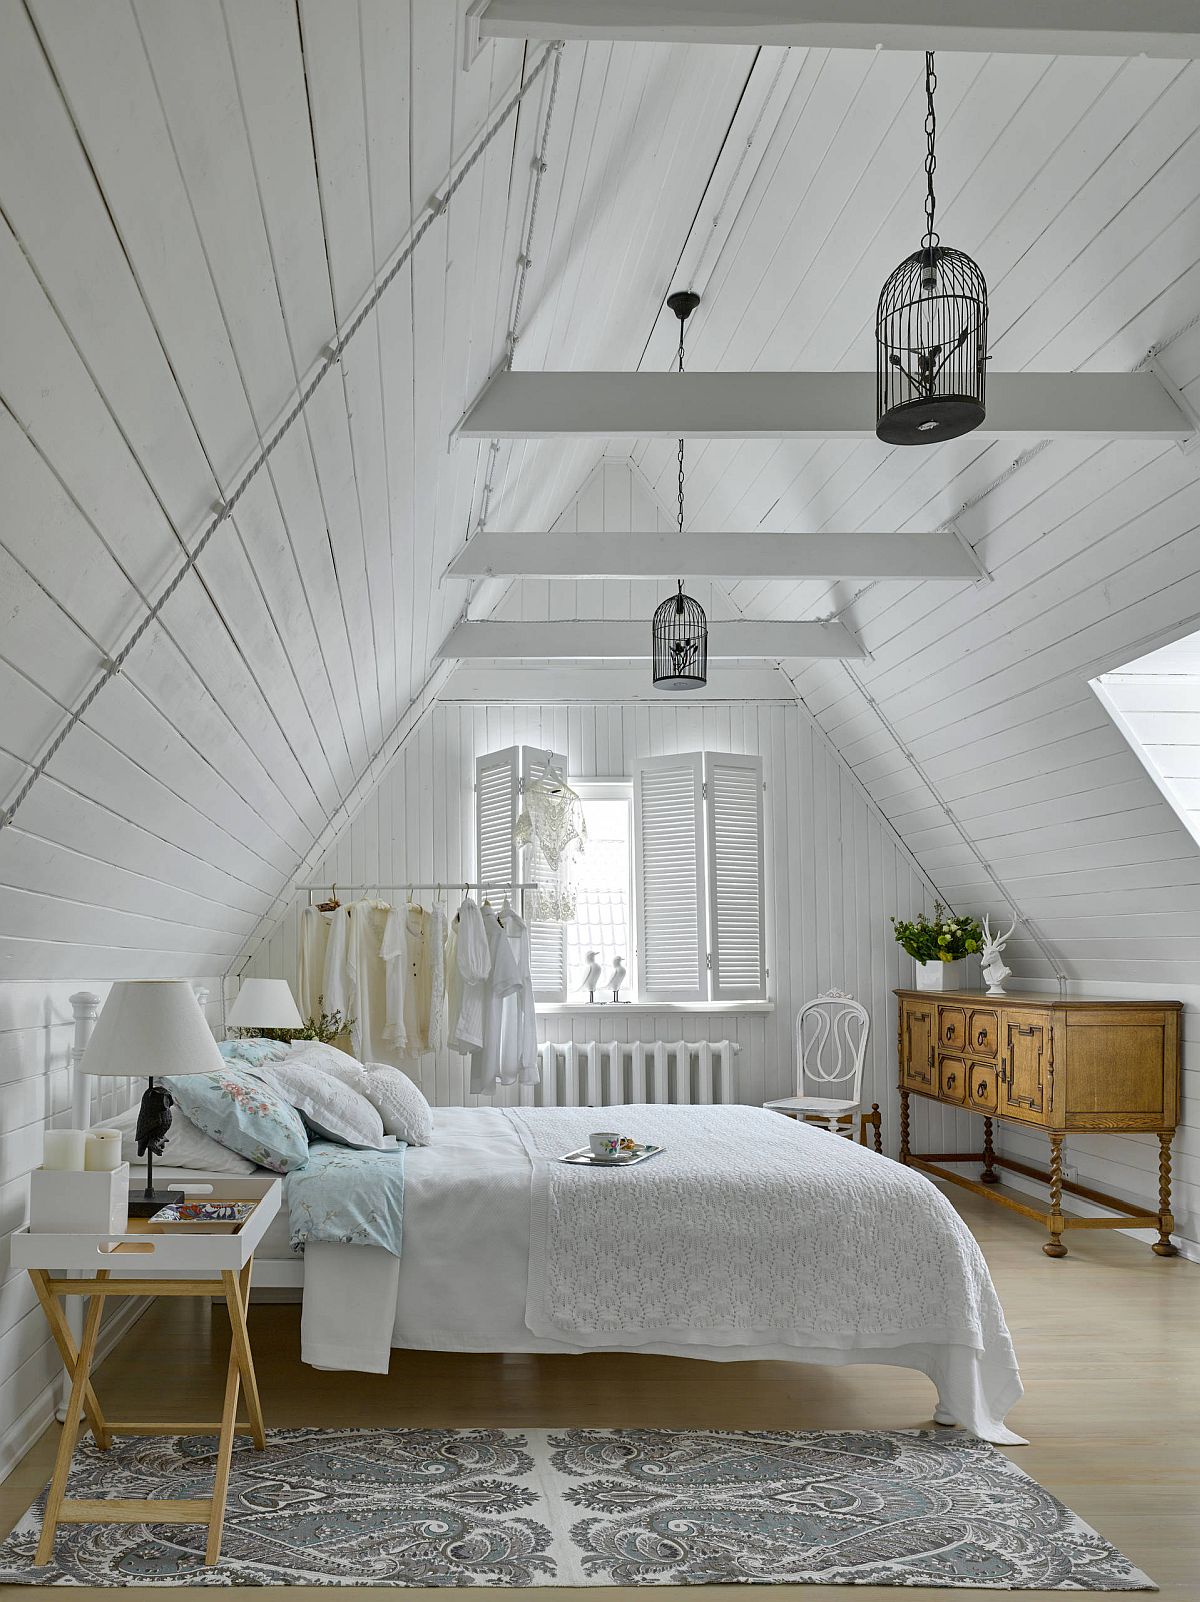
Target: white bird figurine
617, 977
592, 977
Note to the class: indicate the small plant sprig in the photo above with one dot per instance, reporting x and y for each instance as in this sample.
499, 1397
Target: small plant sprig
942, 938
323, 1026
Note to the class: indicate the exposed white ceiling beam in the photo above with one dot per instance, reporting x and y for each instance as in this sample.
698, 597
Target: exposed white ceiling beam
1167, 28
731, 556
606, 640
805, 406
606, 681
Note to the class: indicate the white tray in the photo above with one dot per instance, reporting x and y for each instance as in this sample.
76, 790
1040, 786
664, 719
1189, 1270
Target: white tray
586, 1158
184, 1250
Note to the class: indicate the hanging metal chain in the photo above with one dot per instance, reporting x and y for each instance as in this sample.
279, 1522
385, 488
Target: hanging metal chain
931, 238
682, 322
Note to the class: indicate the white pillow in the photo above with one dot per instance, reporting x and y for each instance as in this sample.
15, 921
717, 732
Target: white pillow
399, 1101
186, 1147
331, 1106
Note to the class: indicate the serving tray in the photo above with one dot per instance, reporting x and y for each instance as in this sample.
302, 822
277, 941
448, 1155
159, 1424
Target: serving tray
585, 1158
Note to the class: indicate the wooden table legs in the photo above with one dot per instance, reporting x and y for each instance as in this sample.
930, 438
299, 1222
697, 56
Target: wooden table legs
83, 1402
1054, 1246
989, 1176
1164, 1246
903, 1125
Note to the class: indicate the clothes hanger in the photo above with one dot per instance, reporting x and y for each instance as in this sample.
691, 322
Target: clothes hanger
332, 904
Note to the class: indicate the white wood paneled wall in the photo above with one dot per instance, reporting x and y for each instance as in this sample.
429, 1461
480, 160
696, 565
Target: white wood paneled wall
834, 872
974, 727
36, 1034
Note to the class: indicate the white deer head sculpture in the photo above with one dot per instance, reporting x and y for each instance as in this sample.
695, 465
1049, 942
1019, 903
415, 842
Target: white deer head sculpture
994, 970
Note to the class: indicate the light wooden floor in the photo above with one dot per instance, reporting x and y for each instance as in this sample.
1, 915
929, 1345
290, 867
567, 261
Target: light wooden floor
1108, 1340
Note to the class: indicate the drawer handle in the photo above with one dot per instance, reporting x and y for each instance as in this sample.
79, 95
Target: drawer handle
981, 1089
981, 1038
949, 1031
950, 1078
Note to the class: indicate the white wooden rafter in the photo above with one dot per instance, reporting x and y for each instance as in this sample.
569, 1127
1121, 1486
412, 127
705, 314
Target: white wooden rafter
581, 640
1165, 28
938, 555
769, 405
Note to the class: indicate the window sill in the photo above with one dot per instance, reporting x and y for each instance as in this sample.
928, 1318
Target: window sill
610, 1009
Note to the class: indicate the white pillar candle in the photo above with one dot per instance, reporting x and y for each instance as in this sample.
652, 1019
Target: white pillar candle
103, 1152
64, 1148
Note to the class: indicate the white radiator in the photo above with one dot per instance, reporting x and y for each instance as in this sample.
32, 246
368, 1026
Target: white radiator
611, 1073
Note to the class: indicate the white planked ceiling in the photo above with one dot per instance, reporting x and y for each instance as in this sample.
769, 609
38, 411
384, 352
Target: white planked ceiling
195, 195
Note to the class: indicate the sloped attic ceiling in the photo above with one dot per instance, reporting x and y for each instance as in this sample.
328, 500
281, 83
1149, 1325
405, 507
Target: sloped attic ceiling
195, 196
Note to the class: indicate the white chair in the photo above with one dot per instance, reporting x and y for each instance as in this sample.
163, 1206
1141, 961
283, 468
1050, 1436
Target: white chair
830, 1045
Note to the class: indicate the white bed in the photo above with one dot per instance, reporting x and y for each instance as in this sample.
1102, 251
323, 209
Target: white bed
867, 1260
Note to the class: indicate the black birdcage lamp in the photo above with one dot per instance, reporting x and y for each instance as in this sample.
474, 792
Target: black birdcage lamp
931, 331
680, 630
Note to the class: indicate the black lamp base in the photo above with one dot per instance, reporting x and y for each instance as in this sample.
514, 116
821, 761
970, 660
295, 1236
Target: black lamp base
143, 1203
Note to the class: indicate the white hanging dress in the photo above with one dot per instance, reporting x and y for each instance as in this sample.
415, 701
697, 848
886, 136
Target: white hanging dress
365, 980
468, 965
314, 942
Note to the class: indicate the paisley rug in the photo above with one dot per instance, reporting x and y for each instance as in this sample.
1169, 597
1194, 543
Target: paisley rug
582, 1507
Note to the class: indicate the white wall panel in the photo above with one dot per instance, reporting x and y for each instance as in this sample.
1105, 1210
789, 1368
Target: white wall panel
834, 872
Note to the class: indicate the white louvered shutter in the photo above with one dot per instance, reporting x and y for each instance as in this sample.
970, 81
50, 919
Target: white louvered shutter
736, 892
497, 792
547, 941
669, 874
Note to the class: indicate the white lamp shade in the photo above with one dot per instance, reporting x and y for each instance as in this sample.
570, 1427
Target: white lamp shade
265, 1004
151, 1027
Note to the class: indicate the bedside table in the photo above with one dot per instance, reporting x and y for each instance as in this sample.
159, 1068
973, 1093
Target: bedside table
209, 1259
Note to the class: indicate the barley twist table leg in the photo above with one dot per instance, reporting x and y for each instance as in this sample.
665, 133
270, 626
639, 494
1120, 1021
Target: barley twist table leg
904, 1126
1163, 1246
989, 1176
1054, 1246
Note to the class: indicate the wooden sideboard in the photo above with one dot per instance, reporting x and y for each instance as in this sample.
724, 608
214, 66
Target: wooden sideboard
1060, 1065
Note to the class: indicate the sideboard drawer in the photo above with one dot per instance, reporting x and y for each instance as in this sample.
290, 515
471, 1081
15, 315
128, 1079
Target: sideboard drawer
952, 1079
982, 1091
983, 1031
952, 1028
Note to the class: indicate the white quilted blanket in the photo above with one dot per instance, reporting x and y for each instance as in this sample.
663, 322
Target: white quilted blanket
751, 1229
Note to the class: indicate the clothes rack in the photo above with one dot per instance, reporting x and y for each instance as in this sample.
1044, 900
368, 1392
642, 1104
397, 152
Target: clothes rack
355, 892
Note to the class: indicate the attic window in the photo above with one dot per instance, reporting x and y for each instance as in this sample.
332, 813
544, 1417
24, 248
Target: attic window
1155, 702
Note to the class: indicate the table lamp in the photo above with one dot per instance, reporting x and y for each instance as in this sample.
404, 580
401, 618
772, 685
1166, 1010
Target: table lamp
151, 1023
265, 1004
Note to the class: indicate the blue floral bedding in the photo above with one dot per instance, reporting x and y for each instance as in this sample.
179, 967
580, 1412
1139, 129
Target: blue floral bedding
352, 1198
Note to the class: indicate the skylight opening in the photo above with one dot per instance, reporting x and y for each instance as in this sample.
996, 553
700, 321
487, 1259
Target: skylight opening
1155, 702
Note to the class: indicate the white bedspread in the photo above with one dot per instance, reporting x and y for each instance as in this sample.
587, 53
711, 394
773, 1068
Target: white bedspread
750, 1237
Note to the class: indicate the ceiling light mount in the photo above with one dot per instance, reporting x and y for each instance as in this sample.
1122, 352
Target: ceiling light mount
680, 629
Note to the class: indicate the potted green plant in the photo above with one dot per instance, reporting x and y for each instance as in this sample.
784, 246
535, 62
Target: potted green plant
943, 947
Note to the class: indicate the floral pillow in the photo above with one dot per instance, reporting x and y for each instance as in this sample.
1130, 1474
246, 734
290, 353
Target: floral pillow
236, 1108
253, 1051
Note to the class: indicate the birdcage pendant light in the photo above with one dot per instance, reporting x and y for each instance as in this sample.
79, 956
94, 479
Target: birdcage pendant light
931, 330
680, 631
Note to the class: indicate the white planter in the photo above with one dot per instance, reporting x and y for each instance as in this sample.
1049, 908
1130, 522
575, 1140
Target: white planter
960, 975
